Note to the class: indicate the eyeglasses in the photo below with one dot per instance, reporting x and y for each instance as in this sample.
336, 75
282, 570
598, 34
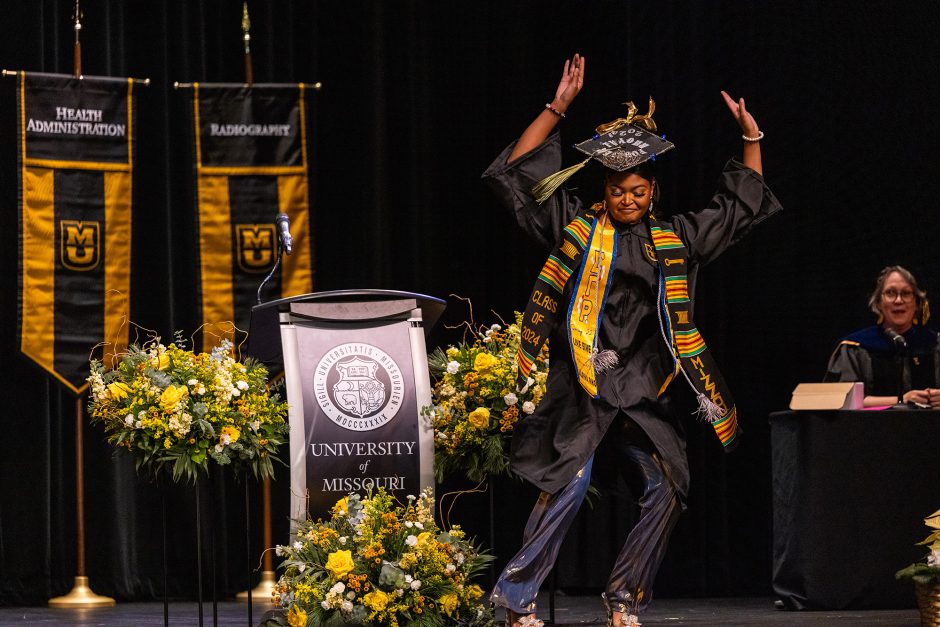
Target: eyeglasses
892, 295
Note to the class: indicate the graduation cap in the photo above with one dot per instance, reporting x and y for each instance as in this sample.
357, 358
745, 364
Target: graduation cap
619, 145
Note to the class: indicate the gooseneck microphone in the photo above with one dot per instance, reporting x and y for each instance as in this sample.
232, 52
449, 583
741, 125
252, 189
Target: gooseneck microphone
282, 226
896, 338
282, 223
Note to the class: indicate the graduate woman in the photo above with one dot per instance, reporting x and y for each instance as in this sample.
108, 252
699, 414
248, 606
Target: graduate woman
614, 297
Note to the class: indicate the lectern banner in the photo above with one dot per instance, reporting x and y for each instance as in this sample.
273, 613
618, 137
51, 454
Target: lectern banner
75, 199
251, 164
360, 411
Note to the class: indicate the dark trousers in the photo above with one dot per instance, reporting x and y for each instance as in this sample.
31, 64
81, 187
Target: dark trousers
631, 580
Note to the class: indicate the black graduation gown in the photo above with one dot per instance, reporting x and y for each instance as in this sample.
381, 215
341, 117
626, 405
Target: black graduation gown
868, 356
551, 445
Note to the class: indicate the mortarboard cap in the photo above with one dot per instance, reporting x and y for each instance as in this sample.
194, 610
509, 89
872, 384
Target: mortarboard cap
621, 144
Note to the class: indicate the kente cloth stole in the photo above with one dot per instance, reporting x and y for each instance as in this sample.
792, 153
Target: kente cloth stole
690, 355
544, 303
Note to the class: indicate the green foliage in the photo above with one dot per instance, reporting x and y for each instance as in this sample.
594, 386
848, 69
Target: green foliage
377, 562
475, 402
175, 410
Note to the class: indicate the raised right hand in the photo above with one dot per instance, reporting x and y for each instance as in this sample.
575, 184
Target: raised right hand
572, 79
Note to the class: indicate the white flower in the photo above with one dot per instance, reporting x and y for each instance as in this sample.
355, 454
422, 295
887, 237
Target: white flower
343, 539
528, 407
298, 545
399, 593
460, 558
453, 367
495, 327
346, 607
192, 382
529, 381
236, 392
129, 419
137, 425
450, 568
411, 540
218, 448
408, 578
409, 524
339, 587
510, 399
255, 425
142, 414
301, 567
242, 385
410, 497
933, 559
201, 390
225, 439
279, 550
325, 604
415, 584
350, 595
419, 525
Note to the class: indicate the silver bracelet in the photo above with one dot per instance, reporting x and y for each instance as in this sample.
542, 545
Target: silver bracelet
549, 106
760, 136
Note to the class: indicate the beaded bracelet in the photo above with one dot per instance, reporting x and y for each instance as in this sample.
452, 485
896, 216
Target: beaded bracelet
549, 106
760, 136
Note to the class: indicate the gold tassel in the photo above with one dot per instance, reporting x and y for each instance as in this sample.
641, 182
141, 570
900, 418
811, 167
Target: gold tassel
547, 186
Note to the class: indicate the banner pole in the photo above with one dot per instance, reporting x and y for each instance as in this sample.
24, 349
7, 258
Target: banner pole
246, 35
81, 594
77, 61
264, 591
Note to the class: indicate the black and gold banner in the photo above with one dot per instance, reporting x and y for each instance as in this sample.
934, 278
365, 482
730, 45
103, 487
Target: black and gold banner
76, 158
251, 164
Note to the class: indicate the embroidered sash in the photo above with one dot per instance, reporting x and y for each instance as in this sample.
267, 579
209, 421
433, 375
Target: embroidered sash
587, 302
690, 355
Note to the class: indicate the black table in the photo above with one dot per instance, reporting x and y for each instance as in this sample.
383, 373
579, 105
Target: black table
850, 492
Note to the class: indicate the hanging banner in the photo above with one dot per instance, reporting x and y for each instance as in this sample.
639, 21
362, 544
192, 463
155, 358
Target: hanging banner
76, 157
251, 165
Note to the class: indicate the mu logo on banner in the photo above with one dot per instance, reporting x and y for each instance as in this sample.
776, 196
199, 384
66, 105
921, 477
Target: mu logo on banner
79, 243
76, 171
255, 245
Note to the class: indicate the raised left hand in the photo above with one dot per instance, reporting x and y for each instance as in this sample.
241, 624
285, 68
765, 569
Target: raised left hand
743, 117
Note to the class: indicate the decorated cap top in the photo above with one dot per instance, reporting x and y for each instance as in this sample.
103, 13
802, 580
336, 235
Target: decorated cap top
620, 144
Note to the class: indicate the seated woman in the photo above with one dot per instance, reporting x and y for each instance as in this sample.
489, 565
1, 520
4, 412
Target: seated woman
871, 354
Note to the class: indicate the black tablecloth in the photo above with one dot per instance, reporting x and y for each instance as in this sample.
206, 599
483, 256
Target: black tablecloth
850, 492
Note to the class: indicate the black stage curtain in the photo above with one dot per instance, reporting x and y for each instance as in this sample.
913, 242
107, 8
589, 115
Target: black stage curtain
418, 97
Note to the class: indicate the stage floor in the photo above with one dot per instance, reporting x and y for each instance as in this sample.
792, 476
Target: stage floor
573, 610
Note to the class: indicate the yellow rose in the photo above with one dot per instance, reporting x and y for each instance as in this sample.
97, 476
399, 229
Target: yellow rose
377, 600
452, 352
424, 537
161, 361
296, 617
232, 432
171, 396
475, 591
340, 563
479, 417
118, 390
484, 361
448, 603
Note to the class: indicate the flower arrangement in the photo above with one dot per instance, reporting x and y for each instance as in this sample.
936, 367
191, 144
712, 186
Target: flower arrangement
927, 572
174, 408
475, 404
376, 562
